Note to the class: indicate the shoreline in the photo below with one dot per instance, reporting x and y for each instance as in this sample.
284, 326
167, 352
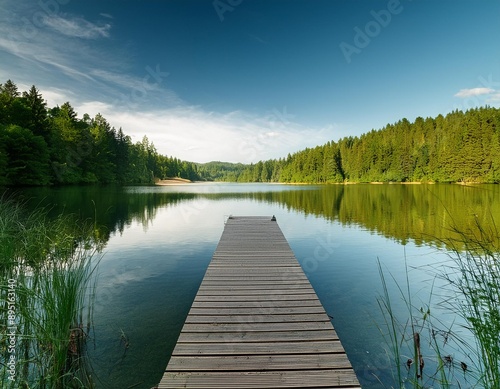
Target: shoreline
173, 181
184, 181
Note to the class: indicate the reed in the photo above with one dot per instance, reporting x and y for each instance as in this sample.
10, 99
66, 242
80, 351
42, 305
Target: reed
474, 280
415, 345
471, 294
48, 274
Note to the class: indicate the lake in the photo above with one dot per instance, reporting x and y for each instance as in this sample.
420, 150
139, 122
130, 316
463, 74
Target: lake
158, 242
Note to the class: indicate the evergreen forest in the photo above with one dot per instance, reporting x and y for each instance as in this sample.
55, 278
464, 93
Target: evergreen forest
53, 146
458, 147
44, 146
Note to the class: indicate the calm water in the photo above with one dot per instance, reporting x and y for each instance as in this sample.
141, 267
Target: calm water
159, 241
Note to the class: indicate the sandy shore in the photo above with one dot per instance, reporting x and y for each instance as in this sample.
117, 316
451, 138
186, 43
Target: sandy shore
173, 181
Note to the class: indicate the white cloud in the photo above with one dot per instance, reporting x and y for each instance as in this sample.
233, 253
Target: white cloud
43, 51
122, 80
135, 91
94, 107
494, 98
54, 96
192, 134
142, 104
474, 92
77, 27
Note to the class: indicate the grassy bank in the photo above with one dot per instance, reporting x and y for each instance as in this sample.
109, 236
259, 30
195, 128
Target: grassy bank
47, 269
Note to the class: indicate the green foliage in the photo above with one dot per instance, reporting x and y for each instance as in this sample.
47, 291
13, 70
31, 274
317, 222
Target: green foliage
219, 171
37, 112
47, 275
25, 156
461, 147
40, 146
475, 282
416, 345
471, 293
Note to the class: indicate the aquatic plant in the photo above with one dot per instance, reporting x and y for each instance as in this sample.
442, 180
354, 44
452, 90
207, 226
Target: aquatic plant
47, 267
474, 280
471, 294
415, 364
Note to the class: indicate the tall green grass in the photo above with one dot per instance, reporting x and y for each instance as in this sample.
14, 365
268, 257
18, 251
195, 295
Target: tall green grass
415, 346
474, 280
47, 270
471, 294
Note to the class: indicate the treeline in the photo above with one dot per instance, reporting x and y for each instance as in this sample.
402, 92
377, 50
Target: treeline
458, 147
43, 146
220, 171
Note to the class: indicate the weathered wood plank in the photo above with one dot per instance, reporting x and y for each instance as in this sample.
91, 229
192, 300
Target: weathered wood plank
261, 362
243, 336
261, 317
232, 311
334, 378
256, 304
249, 292
261, 297
256, 327
252, 282
288, 286
256, 321
263, 348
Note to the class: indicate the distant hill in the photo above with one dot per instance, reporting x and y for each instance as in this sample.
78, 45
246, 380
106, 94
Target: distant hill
220, 171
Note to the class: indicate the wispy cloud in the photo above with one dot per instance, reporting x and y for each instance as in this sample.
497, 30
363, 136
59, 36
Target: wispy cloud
76, 26
474, 92
50, 54
257, 38
122, 80
41, 50
69, 59
494, 98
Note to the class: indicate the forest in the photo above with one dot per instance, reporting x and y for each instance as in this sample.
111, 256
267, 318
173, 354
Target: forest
52, 146
458, 147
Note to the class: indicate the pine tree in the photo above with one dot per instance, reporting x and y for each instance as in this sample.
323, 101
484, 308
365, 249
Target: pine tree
37, 121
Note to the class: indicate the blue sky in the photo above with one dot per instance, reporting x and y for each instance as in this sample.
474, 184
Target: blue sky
247, 80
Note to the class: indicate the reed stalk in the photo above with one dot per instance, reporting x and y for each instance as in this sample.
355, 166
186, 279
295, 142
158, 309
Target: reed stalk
474, 280
471, 290
414, 350
48, 268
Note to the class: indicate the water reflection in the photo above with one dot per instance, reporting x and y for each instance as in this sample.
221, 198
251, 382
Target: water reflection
159, 241
423, 213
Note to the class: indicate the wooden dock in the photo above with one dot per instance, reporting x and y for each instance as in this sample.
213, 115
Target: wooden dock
256, 321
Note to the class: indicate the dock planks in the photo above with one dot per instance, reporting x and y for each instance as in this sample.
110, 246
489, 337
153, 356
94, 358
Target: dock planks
256, 321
